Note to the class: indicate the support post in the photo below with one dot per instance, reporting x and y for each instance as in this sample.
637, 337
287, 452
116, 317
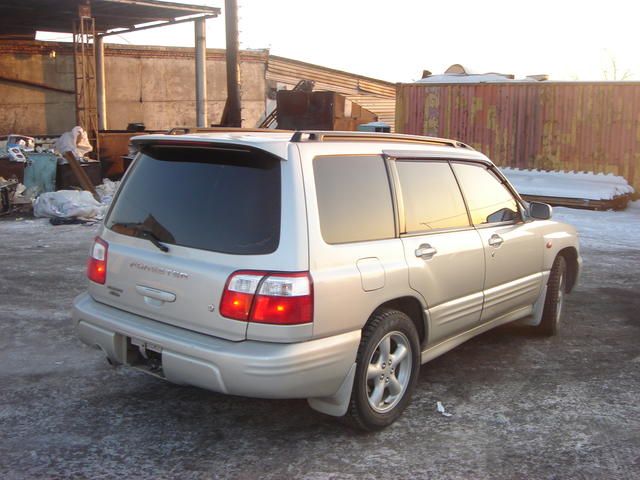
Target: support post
101, 84
232, 114
200, 27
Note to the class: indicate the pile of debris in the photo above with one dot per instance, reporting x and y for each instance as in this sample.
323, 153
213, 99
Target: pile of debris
7, 194
36, 161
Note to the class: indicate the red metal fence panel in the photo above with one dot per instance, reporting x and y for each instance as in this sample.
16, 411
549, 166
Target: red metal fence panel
548, 125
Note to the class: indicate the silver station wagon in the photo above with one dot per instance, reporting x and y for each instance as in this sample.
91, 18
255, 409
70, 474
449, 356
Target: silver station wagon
319, 265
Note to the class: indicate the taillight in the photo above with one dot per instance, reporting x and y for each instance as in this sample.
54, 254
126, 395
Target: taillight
238, 294
97, 263
284, 299
276, 298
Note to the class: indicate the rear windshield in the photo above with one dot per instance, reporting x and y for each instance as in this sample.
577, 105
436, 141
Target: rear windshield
213, 199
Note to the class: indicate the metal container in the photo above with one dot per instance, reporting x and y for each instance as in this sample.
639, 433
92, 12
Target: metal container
319, 111
568, 126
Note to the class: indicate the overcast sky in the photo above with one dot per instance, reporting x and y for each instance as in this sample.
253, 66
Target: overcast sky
395, 41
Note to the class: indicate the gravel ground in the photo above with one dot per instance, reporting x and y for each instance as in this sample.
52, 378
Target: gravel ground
523, 406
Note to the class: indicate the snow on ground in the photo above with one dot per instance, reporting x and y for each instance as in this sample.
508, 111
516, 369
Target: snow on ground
39, 232
604, 230
524, 406
567, 184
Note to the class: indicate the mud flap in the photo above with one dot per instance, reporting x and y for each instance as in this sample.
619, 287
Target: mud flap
337, 404
535, 318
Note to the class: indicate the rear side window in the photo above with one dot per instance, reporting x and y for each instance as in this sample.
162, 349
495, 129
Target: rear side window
354, 198
207, 198
488, 199
431, 196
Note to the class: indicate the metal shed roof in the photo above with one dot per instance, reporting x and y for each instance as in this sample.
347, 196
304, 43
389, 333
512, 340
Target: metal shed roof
28, 16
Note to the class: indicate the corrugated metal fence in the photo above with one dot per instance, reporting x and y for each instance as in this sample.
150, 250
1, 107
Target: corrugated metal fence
553, 126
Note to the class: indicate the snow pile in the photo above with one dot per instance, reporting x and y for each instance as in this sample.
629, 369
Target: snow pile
473, 78
579, 185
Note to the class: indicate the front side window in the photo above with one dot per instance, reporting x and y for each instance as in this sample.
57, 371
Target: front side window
489, 201
431, 197
354, 198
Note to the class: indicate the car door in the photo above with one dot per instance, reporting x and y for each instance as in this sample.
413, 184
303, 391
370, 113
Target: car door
513, 249
443, 251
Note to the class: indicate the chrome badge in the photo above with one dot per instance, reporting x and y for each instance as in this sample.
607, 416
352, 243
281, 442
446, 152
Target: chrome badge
159, 270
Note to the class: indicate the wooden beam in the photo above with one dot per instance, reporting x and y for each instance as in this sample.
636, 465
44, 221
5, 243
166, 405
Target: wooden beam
81, 176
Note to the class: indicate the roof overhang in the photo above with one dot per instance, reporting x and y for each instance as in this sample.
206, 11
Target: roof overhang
29, 16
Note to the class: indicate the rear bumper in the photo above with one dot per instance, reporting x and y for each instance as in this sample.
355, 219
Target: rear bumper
315, 368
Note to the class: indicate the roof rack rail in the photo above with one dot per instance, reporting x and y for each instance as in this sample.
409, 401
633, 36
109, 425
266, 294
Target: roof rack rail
331, 136
187, 130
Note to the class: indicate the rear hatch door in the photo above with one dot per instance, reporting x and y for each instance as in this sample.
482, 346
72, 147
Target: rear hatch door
184, 219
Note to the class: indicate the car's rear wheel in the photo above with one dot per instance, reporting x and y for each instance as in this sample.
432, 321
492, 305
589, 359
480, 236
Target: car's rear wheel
387, 369
554, 301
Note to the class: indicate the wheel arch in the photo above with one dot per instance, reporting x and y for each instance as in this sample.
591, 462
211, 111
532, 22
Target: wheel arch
338, 404
570, 255
413, 308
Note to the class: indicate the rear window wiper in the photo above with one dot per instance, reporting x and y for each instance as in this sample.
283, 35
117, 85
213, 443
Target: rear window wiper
142, 232
149, 235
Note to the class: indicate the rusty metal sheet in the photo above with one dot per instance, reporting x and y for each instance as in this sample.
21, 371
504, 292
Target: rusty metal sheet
299, 110
291, 71
58, 15
377, 96
579, 126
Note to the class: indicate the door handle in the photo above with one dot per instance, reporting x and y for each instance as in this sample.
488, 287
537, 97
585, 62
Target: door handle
496, 240
154, 293
425, 251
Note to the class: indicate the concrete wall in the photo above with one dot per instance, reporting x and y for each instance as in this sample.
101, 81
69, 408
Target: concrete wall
152, 85
32, 110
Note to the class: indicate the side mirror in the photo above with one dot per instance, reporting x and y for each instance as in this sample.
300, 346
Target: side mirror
540, 211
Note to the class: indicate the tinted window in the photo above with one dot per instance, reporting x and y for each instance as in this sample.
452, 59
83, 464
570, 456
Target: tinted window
488, 199
430, 196
211, 199
354, 200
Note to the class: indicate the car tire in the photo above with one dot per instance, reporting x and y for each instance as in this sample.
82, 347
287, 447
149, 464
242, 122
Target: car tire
554, 300
387, 369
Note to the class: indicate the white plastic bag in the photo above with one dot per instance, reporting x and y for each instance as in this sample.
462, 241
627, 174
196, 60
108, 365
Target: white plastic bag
68, 204
107, 190
75, 141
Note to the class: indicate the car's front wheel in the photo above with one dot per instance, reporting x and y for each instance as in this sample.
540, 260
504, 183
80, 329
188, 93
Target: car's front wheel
387, 369
554, 301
